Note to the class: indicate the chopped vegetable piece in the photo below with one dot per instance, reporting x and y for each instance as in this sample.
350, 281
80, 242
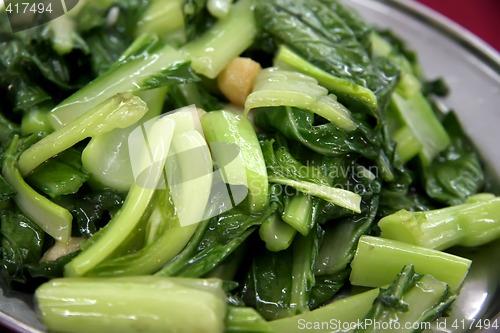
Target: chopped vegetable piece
468, 224
146, 64
285, 57
411, 300
52, 218
378, 260
276, 87
106, 157
159, 304
226, 127
285, 170
225, 40
118, 111
124, 223
277, 234
325, 319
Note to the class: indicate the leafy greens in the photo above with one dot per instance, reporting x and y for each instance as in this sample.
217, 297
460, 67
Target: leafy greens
339, 147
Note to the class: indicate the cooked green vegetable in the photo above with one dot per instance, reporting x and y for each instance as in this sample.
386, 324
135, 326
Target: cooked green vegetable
123, 225
468, 224
413, 108
275, 87
245, 319
162, 17
60, 175
52, 218
117, 112
427, 298
298, 213
300, 25
278, 284
106, 157
283, 169
159, 304
409, 300
22, 245
247, 168
329, 317
420, 119
223, 235
285, 57
326, 139
378, 260
173, 219
212, 51
457, 172
126, 168
277, 234
146, 64
341, 239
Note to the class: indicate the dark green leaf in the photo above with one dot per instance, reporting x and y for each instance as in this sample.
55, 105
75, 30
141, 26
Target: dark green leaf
22, 243
342, 236
92, 211
411, 200
50, 269
107, 45
224, 234
6, 191
457, 172
269, 283
193, 93
326, 139
329, 36
327, 286
60, 175
278, 284
196, 17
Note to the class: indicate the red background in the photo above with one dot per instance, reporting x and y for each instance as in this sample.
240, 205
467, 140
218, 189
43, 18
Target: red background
481, 17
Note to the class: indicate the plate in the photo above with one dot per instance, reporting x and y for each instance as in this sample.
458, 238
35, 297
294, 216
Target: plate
472, 70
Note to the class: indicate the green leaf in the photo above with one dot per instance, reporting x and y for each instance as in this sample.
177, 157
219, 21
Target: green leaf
224, 234
60, 175
50, 269
320, 32
457, 172
92, 211
22, 242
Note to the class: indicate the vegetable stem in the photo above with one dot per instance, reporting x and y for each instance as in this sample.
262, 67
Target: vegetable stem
227, 39
411, 300
235, 147
277, 234
119, 111
338, 85
159, 305
245, 319
347, 310
468, 224
106, 157
123, 224
337, 196
161, 17
418, 115
52, 218
298, 213
144, 65
407, 145
378, 260
277, 87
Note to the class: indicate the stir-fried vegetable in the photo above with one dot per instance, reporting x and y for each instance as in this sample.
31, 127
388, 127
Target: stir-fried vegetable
303, 157
160, 304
